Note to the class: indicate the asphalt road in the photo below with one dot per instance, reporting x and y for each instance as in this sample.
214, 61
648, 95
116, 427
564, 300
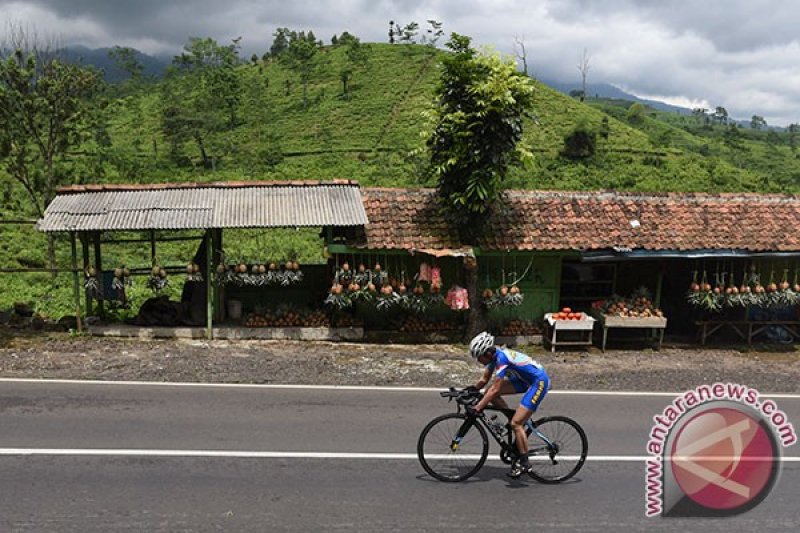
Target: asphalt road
104, 457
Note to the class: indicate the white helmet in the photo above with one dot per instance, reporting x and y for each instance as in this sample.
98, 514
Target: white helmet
482, 342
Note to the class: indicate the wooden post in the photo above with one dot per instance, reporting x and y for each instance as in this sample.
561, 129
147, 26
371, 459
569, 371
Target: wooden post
76, 280
152, 248
209, 286
659, 284
85, 250
98, 264
219, 290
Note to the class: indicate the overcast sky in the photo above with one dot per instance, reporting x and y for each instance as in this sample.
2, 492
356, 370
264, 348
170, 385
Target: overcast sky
740, 54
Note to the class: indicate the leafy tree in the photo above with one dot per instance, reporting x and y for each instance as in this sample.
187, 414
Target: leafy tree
701, 113
280, 42
477, 128
773, 139
126, 60
202, 94
406, 34
357, 57
720, 115
794, 130
636, 113
302, 59
434, 33
47, 109
757, 122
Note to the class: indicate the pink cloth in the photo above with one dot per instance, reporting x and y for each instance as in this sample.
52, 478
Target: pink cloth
457, 298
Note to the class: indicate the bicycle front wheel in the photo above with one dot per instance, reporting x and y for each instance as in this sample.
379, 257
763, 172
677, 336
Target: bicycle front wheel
557, 449
452, 447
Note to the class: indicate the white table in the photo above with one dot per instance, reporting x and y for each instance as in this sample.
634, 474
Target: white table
584, 327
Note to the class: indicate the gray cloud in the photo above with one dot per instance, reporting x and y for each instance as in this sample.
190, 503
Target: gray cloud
741, 54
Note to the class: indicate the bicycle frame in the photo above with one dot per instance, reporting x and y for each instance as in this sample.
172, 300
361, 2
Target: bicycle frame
509, 445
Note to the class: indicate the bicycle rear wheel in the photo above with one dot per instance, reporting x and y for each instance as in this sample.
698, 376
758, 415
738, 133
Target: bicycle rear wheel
452, 447
561, 454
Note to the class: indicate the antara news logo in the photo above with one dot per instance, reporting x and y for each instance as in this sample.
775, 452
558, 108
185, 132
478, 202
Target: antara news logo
715, 451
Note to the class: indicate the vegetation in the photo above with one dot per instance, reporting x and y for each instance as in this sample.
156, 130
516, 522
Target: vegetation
217, 117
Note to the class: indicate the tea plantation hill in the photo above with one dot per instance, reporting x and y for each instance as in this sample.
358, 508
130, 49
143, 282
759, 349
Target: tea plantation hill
371, 136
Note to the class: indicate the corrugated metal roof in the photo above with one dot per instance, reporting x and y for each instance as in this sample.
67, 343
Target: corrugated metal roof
206, 207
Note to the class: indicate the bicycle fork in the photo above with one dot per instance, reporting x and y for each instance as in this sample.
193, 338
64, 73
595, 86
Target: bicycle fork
456, 442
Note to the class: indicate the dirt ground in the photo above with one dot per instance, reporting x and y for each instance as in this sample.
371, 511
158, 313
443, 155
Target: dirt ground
301, 362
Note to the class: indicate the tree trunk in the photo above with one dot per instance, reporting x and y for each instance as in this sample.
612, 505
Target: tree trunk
201, 146
51, 238
476, 319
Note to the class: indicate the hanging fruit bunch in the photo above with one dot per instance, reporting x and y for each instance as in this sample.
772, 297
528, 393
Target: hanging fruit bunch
157, 280
751, 292
785, 296
703, 295
91, 283
363, 275
387, 297
504, 296
193, 272
337, 297
122, 279
415, 300
224, 275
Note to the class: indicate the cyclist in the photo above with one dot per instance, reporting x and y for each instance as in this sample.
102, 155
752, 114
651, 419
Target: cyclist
515, 373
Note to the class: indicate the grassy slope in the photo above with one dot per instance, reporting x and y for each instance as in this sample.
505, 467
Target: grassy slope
369, 137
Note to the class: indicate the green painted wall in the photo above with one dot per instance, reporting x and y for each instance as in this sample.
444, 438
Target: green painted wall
538, 279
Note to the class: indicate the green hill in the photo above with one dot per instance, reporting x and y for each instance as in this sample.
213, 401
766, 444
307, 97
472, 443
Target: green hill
371, 136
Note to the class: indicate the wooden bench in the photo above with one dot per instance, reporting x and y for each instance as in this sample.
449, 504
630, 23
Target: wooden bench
746, 329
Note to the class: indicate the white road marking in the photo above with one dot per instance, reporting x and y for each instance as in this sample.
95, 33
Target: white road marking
343, 387
244, 454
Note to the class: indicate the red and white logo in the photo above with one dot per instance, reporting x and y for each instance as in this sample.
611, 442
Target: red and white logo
724, 459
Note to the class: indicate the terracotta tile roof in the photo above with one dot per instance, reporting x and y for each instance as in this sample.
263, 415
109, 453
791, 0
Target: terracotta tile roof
550, 220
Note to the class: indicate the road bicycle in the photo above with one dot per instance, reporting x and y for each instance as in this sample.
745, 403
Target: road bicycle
453, 447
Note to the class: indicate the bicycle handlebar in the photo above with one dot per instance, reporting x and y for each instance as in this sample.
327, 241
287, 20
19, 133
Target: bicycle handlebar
462, 396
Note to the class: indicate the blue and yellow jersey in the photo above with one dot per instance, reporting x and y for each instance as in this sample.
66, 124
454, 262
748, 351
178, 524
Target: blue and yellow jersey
508, 363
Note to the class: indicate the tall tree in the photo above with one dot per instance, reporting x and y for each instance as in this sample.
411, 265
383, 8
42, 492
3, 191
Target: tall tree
357, 56
434, 33
46, 111
280, 42
201, 95
583, 68
521, 53
720, 115
302, 58
477, 128
757, 122
126, 60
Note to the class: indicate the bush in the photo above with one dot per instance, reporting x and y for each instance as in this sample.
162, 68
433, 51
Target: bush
580, 143
636, 113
